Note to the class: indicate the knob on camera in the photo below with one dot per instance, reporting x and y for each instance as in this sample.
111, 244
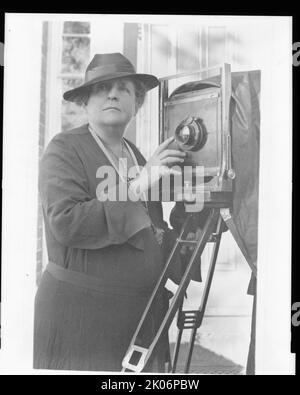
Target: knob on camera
191, 134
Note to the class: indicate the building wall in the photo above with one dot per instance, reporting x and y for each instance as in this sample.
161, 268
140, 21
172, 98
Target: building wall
42, 133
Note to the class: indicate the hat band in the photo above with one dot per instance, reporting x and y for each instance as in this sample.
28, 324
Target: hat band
101, 71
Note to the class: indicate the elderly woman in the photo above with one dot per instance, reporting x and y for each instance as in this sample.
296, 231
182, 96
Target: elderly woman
104, 256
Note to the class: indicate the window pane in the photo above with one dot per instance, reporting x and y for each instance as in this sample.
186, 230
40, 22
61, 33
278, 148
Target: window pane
187, 60
75, 56
71, 83
77, 27
216, 45
72, 114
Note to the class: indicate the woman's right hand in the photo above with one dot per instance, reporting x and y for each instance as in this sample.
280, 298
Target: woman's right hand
164, 158
159, 165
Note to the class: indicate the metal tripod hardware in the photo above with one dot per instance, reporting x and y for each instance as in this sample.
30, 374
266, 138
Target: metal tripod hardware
141, 363
189, 319
150, 348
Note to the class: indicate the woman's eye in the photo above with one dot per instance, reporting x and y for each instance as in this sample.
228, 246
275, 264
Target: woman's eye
124, 88
104, 87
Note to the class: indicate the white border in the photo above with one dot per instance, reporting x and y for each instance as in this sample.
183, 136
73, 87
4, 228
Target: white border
21, 120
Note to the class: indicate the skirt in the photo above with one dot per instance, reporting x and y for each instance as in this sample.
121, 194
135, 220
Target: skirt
79, 328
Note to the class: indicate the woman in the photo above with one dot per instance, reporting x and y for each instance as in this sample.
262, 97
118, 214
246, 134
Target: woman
104, 256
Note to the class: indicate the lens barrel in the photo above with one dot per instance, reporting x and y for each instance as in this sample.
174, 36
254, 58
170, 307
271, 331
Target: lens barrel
191, 134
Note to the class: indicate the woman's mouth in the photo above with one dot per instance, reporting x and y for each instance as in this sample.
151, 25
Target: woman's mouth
111, 108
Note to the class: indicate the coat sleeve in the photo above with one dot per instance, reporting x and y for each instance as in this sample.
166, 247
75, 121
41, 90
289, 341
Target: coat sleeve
75, 217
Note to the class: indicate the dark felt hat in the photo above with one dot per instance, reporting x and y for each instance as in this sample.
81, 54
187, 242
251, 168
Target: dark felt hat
104, 67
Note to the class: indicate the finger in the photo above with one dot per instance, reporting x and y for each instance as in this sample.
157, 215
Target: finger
172, 152
164, 145
171, 161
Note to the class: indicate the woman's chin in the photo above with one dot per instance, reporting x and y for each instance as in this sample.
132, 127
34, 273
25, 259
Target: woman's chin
114, 122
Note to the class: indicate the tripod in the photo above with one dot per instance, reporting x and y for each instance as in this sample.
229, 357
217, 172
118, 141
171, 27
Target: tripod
141, 351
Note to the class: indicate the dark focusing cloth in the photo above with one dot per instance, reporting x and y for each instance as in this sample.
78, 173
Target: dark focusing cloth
109, 244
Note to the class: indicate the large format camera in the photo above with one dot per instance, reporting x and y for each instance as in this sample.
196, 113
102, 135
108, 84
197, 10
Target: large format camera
197, 113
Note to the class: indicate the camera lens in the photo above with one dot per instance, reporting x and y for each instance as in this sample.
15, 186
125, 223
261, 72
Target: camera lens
191, 134
184, 134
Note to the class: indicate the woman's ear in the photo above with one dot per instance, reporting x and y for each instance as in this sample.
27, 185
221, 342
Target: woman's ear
136, 109
84, 104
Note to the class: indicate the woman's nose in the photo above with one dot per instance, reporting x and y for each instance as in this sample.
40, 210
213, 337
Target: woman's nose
113, 92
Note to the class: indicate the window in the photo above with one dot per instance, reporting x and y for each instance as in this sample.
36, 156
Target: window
71, 45
75, 58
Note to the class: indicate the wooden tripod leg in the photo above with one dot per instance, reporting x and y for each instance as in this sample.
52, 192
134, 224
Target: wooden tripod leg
145, 351
178, 341
186, 318
208, 228
190, 351
202, 307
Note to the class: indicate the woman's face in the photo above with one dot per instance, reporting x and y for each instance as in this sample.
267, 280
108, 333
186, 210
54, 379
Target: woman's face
112, 103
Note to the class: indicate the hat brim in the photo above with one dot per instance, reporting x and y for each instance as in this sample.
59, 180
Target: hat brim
150, 82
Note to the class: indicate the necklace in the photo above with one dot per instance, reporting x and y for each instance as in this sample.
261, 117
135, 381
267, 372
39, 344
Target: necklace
113, 152
120, 163
121, 160
124, 176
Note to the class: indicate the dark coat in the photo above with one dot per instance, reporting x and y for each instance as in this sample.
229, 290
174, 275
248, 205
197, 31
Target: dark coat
78, 328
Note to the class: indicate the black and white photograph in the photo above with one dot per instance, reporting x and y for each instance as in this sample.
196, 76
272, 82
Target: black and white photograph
147, 194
